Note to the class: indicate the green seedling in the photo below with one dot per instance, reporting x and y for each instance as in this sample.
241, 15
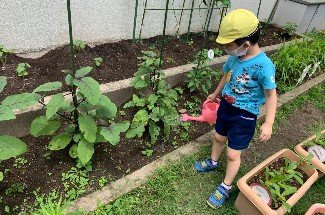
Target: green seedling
147, 152
22, 69
79, 45
98, 61
4, 52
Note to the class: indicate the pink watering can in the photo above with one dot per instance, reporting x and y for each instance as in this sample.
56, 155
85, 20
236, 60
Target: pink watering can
209, 112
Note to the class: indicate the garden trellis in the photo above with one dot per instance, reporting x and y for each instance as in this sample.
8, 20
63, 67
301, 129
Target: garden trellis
210, 7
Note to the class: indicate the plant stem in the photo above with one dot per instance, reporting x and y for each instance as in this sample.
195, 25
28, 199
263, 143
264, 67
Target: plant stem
74, 90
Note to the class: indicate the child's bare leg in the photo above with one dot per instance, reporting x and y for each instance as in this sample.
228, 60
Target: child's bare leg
233, 164
219, 142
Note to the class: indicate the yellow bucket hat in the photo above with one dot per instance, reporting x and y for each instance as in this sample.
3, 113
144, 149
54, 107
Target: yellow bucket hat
237, 24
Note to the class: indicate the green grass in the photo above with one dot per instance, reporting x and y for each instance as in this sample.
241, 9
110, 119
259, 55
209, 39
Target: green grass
179, 189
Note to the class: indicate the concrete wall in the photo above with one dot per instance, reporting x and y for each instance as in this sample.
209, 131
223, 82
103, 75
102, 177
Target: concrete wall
307, 16
28, 26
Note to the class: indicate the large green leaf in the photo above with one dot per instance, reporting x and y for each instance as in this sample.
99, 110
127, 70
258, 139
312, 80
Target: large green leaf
60, 141
73, 151
6, 113
85, 151
41, 126
20, 101
83, 71
136, 131
11, 147
50, 86
88, 127
138, 83
56, 102
112, 133
140, 117
89, 88
154, 131
105, 108
69, 79
3, 82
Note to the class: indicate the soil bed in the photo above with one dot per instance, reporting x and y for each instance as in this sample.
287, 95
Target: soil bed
120, 59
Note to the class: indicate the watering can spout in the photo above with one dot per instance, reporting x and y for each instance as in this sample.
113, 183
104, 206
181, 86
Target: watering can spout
186, 117
209, 112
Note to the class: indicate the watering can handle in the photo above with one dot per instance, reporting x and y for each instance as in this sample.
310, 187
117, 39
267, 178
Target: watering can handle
208, 101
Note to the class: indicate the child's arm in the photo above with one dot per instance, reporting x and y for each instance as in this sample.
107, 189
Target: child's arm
217, 92
271, 103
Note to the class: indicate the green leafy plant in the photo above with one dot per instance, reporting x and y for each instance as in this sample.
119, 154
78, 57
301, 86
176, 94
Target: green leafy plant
49, 207
10, 146
22, 69
278, 182
147, 152
15, 188
102, 181
319, 140
4, 52
89, 116
79, 45
98, 61
290, 28
202, 77
75, 182
20, 162
159, 108
299, 57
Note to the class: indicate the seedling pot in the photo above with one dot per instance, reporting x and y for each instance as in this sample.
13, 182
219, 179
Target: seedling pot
316, 208
300, 149
248, 202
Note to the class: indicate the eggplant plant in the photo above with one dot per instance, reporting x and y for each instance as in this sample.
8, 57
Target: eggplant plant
10, 146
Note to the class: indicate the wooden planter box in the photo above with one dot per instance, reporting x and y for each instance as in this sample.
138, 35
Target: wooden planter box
248, 202
300, 149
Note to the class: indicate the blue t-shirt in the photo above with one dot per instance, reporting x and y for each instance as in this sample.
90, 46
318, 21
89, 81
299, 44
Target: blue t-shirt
247, 80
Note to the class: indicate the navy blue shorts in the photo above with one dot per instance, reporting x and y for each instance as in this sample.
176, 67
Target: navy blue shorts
237, 124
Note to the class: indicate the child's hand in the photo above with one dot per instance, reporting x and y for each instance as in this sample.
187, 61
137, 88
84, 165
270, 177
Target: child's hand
265, 132
212, 97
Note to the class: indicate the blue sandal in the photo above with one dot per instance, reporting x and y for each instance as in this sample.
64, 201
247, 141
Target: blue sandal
217, 198
205, 166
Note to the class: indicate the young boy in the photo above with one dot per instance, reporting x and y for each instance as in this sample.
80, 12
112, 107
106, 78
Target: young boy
248, 82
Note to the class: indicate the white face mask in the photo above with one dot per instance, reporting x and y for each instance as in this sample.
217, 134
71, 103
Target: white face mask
234, 52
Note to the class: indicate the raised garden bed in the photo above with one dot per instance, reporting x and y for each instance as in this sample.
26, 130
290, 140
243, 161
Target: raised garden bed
119, 59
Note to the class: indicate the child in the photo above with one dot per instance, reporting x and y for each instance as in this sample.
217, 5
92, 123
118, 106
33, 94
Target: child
248, 82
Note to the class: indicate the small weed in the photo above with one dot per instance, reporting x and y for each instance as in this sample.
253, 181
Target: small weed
15, 189
190, 42
122, 113
4, 52
147, 152
75, 182
22, 69
98, 61
20, 162
102, 181
79, 45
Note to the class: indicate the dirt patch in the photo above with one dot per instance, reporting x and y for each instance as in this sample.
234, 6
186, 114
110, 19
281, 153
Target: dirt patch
290, 133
